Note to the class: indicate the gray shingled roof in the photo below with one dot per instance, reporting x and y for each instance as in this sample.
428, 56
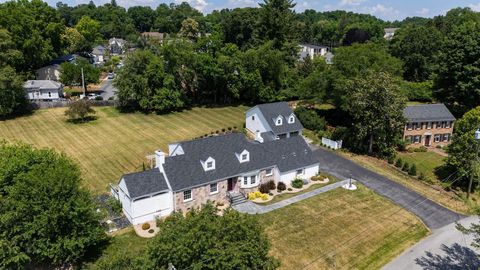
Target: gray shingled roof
427, 112
140, 184
41, 84
272, 110
186, 171
99, 50
315, 46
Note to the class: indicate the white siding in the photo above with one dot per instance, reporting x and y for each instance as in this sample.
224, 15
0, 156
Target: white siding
287, 177
44, 94
260, 124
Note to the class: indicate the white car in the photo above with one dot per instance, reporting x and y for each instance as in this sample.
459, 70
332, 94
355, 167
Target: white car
110, 75
92, 96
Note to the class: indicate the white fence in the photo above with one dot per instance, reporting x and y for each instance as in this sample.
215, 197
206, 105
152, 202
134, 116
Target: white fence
332, 144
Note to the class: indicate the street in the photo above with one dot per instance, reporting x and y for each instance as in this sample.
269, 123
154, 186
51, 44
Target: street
107, 89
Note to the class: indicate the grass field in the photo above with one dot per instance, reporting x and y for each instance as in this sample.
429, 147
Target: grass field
338, 229
426, 162
342, 230
116, 143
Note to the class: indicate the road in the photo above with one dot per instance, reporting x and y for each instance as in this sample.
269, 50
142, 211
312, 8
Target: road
446, 248
432, 214
108, 90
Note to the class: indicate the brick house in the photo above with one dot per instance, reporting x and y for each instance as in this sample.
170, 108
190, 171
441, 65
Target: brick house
428, 125
216, 169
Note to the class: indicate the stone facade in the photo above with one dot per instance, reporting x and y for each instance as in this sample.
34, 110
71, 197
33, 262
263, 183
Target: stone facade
200, 196
263, 179
429, 134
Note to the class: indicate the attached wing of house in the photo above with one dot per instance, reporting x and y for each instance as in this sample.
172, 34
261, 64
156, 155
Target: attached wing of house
43, 89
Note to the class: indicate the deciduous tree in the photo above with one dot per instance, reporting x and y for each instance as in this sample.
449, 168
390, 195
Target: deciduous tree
79, 110
12, 94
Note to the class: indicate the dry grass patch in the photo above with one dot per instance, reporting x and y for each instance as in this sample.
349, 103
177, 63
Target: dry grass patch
341, 229
435, 193
116, 143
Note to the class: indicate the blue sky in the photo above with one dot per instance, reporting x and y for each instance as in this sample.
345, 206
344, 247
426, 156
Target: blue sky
385, 9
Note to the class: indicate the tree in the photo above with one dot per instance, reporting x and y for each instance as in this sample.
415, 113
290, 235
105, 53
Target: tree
71, 73
310, 119
74, 41
417, 47
189, 29
9, 55
79, 110
89, 29
205, 240
276, 22
375, 106
142, 17
463, 151
12, 94
46, 218
458, 81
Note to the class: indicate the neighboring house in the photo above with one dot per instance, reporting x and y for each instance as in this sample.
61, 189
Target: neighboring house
154, 36
212, 169
52, 71
272, 121
43, 90
99, 54
329, 58
389, 33
117, 45
428, 125
312, 51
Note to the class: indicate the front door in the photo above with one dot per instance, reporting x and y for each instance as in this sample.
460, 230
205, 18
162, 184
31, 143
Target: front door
427, 140
231, 184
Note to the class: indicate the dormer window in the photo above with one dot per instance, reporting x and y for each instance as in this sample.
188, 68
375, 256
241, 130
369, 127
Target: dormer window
244, 156
291, 119
208, 164
278, 121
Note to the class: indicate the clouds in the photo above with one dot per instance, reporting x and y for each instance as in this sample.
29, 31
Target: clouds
475, 7
351, 2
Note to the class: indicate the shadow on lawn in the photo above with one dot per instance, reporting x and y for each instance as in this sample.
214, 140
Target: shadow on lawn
456, 257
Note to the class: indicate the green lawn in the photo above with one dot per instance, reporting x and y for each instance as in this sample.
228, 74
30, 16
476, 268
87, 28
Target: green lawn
116, 143
426, 162
341, 229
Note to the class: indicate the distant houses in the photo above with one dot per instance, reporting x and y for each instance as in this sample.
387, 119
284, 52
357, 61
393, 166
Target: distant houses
52, 70
99, 54
389, 33
43, 90
311, 51
117, 46
156, 36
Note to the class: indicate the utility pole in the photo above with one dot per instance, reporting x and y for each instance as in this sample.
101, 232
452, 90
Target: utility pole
83, 84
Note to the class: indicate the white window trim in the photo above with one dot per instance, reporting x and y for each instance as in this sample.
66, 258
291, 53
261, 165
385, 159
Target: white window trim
291, 119
300, 174
240, 156
191, 195
204, 164
249, 181
210, 188
278, 121
269, 174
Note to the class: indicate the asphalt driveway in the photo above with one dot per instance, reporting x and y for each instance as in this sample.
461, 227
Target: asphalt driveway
432, 214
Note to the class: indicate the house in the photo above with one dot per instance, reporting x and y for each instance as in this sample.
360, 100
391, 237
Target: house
99, 54
154, 36
428, 125
312, 51
52, 71
329, 58
213, 169
43, 90
272, 121
389, 33
117, 45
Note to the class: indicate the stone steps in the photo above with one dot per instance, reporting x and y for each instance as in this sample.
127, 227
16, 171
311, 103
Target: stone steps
237, 199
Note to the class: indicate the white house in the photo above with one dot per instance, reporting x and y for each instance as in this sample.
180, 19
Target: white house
389, 33
212, 169
43, 90
312, 51
99, 54
117, 46
272, 121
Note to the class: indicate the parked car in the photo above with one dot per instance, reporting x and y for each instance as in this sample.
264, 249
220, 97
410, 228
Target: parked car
93, 96
111, 75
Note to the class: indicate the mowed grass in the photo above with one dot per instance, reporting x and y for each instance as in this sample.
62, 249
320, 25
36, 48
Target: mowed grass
341, 230
116, 143
425, 162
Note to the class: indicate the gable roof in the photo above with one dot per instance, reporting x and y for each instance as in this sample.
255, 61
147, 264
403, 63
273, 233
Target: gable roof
144, 183
428, 112
186, 171
42, 84
99, 50
272, 110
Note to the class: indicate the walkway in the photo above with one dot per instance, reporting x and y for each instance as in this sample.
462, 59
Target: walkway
446, 248
432, 214
253, 208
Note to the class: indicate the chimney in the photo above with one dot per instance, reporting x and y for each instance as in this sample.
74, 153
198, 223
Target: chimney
159, 160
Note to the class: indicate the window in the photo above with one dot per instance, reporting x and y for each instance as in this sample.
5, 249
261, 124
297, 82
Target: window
253, 179
429, 125
244, 157
213, 188
291, 119
300, 172
437, 138
417, 138
209, 164
409, 126
418, 125
446, 137
408, 139
279, 121
439, 124
253, 117
249, 181
269, 172
187, 195
448, 124
245, 180
49, 94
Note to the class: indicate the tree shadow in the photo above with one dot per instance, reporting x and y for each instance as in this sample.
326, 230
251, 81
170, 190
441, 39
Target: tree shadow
456, 257
82, 121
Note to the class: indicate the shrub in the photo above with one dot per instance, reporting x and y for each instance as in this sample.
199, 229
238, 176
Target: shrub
234, 127
413, 170
297, 183
220, 204
399, 163
229, 128
151, 231
264, 188
289, 189
391, 159
422, 176
98, 98
264, 197
271, 185
211, 133
115, 205
223, 130
438, 146
281, 186
270, 193
251, 196
406, 167
310, 119
145, 226
421, 149
217, 131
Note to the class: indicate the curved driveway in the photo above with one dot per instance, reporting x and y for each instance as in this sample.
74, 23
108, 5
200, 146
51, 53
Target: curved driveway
432, 214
